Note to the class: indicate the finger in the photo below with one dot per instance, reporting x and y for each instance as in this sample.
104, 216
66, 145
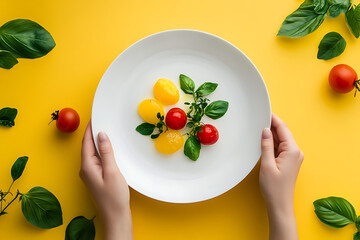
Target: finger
267, 149
88, 147
282, 130
106, 153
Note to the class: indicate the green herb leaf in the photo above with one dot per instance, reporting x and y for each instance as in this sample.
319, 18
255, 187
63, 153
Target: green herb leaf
357, 236
332, 45
337, 7
190, 125
216, 109
302, 22
18, 167
206, 88
192, 147
80, 228
7, 117
41, 208
7, 60
145, 128
25, 39
187, 84
321, 6
334, 211
353, 20
154, 136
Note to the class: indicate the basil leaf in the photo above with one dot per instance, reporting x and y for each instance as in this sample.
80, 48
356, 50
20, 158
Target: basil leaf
216, 109
7, 60
206, 88
18, 167
357, 236
337, 7
332, 45
321, 6
334, 211
145, 128
80, 228
7, 117
187, 84
192, 147
41, 208
302, 22
353, 20
25, 39
154, 136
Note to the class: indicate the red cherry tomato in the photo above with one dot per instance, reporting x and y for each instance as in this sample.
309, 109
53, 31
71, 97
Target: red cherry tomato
67, 120
209, 134
176, 118
343, 78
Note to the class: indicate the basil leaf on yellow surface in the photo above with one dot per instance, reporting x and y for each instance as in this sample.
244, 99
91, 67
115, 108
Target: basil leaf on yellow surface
25, 39
216, 109
356, 236
18, 167
80, 228
332, 45
302, 22
321, 6
353, 20
192, 147
206, 89
7, 117
337, 7
41, 208
7, 60
335, 212
187, 84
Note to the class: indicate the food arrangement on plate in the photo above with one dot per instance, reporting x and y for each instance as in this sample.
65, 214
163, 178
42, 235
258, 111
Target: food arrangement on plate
168, 138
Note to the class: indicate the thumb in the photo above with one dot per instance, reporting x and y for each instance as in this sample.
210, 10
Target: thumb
267, 148
106, 151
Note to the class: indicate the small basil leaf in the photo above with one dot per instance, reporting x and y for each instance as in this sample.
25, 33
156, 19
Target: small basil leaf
7, 117
353, 20
18, 167
216, 109
7, 60
187, 84
206, 88
192, 147
357, 236
190, 125
41, 208
337, 7
321, 6
80, 228
302, 22
332, 45
145, 128
154, 136
25, 39
334, 211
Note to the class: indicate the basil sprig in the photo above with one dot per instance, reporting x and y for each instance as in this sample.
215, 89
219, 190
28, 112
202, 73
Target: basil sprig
336, 212
80, 228
23, 38
7, 117
302, 21
148, 128
332, 45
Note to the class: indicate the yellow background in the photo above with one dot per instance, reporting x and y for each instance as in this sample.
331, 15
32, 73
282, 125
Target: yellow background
90, 34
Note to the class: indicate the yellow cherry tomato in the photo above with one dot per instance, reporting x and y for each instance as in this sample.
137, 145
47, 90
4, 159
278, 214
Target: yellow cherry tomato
149, 108
166, 92
169, 142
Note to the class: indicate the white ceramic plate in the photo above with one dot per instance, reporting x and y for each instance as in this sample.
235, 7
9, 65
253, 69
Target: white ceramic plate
205, 58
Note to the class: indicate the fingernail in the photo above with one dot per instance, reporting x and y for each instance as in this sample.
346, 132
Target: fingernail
266, 133
102, 137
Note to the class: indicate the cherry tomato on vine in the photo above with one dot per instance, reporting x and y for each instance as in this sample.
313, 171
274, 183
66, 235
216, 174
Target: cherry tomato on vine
67, 120
343, 79
176, 118
209, 134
